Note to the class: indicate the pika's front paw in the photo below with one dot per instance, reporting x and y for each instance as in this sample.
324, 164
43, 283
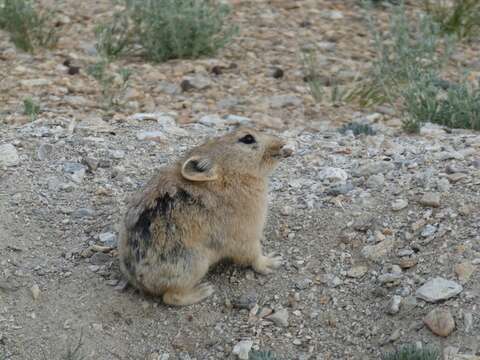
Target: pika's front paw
188, 296
266, 264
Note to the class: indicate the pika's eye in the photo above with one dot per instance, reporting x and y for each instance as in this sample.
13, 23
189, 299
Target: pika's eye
247, 139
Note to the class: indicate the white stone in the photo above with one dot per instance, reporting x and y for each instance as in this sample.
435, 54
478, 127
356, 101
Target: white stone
8, 155
438, 289
242, 349
333, 175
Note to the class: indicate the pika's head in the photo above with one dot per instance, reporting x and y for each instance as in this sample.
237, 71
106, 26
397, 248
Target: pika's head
243, 152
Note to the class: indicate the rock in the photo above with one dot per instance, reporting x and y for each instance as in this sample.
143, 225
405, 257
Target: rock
375, 181
440, 322
76, 171
468, 321
228, 102
35, 82
109, 239
44, 151
168, 88
303, 284
157, 136
197, 82
94, 124
428, 230
464, 271
454, 178
378, 251
100, 258
334, 176
443, 185
332, 14
340, 189
117, 154
438, 289
363, 223
91, 163
35, 290
246, 301
379, 167
390, 278
407, 263
357, 271
83, 213
237, 120
212, 121
394, 306
279, 317
277, 73
430, 199
242, 349
399, 204
281, 101
432, 131
8, 155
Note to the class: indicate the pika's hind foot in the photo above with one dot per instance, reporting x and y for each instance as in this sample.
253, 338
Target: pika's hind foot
188, 296
266, 264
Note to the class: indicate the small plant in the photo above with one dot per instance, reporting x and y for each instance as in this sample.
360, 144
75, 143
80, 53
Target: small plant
262, 355
311, 75
112, 84
316, 83
411, 352
28, 27
74, 353
166, 29
357, 129
462, 18
31, 108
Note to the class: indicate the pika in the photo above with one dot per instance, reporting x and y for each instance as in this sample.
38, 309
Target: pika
210, 205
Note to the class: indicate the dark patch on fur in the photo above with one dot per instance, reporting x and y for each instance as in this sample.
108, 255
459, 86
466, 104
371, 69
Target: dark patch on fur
140, 238
129, 266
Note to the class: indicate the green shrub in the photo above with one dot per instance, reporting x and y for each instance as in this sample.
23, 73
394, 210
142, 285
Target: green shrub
166, 29
462, 18
357, 129
411, 352
28, 27
112, 84
408, 49
31, 108
457, 106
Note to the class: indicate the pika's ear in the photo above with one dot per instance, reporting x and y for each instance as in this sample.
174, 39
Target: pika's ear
198, 168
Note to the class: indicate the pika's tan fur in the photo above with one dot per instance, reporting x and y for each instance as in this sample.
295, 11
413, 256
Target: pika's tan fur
210, 205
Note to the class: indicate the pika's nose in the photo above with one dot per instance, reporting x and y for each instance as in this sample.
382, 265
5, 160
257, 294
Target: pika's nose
287, 150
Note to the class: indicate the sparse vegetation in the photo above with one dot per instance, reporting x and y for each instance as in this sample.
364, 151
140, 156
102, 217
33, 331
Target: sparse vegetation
411, 352
407, 75
28, 27
333, 92
460, 18
31, 108
357, 128
458, 106
263, 355
166, 29
113, 84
